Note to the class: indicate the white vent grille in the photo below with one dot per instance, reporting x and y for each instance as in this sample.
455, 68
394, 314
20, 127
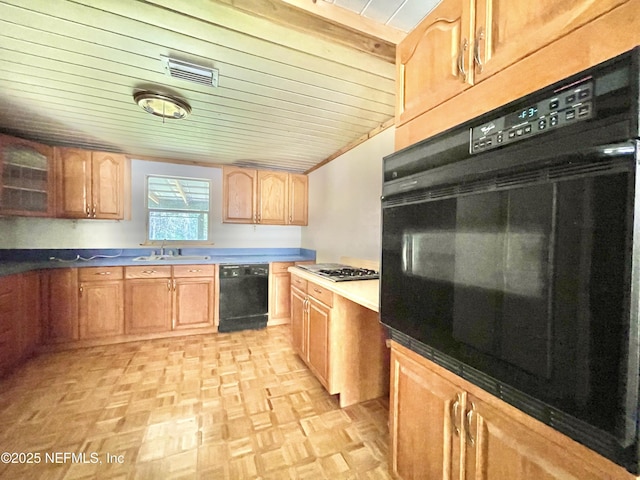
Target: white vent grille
190, 72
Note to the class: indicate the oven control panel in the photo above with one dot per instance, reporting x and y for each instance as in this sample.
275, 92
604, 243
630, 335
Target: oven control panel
569, 105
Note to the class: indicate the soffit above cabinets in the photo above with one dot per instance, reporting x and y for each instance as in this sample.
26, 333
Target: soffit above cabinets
294, 86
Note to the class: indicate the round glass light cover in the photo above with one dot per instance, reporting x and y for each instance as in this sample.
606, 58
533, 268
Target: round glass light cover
161, 105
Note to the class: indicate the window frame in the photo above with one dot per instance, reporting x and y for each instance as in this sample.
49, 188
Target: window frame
186, 243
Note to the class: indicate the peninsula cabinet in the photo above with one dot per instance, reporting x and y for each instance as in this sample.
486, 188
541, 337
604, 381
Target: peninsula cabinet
91, 184
264, 197
340, 341
101, 302
463, 42
443, 427
468, 57
316, 340
26, 178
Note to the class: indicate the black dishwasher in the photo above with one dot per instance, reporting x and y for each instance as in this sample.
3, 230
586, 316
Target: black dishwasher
244, 297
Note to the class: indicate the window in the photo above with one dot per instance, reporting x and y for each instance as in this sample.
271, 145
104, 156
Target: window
177, 209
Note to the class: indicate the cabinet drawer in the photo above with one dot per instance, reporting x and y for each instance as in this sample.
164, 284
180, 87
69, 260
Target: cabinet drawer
151, 271
193, 270
320, 293
95, 274
299, 282
280, 267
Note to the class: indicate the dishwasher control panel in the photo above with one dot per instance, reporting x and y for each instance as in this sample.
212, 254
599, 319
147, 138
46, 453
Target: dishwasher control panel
230, 271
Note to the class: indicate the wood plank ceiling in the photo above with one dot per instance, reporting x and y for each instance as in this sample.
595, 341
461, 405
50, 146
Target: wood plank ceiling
293, 89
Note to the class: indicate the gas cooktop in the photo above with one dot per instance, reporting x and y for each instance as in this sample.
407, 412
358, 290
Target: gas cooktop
337, 272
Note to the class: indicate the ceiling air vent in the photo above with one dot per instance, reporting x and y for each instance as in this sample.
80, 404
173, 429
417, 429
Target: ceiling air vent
190, 72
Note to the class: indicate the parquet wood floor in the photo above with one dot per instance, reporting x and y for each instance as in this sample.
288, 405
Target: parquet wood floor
222, 406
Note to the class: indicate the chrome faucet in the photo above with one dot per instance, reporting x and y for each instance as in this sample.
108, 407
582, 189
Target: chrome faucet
162, 246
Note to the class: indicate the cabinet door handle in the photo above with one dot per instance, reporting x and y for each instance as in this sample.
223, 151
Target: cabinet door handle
476, 50
93, 211
169, 285
461, 69
174, 284
88, 210
81, 289
149, 272
259, 218
469, 417
454, 414
195, 271
316, 290
255, 218
290, 218
102, 273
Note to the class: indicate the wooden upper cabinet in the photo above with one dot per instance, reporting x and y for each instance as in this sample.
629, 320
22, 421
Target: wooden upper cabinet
463, 42
432, 61
264, 197
506, 31
91, 184
239, 195
108, 195
26, 177
298, 199
272, 197
73, 177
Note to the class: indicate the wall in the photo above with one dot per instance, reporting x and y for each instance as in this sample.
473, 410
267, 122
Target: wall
22, 232
344, 203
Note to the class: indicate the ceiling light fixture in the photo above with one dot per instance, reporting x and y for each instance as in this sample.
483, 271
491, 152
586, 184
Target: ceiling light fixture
162, 105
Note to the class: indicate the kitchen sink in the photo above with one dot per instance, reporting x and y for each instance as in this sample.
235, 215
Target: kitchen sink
154, 258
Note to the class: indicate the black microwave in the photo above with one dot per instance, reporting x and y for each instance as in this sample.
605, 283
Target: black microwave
511, 249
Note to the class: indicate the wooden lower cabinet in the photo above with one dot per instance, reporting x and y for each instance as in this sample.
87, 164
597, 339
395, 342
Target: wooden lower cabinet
31, 327
19, 318
318, 348
279, 293
193, 296
148, 306
341, 342
101, 302
164, 298
424, 443
312, 333
10, 316
443, 427
60, 305
298, 321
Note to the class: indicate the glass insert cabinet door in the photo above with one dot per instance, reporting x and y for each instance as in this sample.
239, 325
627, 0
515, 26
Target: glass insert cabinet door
26, 177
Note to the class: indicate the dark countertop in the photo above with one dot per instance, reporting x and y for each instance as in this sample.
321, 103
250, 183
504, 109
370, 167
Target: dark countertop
14, 263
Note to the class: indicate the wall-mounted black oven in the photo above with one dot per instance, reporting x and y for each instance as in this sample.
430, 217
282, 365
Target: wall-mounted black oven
510, 254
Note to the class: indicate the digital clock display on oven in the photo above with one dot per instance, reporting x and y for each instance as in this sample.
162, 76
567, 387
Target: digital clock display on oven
522, 115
